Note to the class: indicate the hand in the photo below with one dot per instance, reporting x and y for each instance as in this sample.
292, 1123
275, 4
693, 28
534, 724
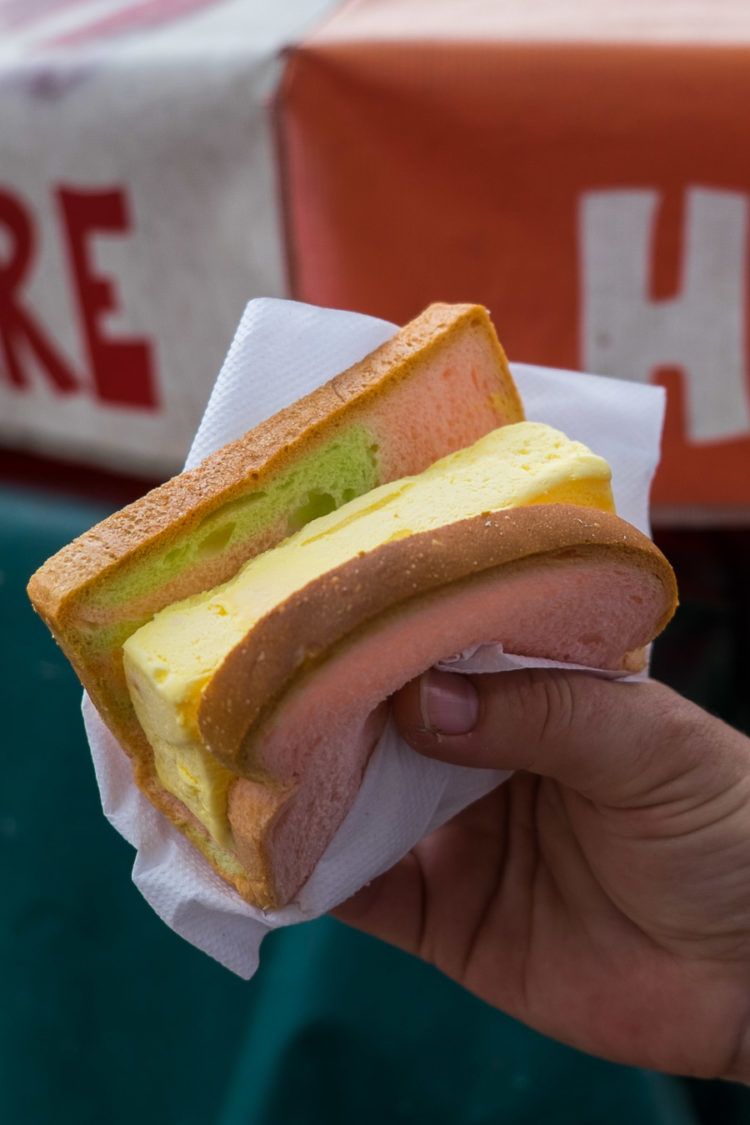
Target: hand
602, 894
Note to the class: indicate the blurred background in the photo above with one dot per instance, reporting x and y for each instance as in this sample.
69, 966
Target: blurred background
583, 169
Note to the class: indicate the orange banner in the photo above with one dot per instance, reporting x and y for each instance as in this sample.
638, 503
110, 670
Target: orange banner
594, 195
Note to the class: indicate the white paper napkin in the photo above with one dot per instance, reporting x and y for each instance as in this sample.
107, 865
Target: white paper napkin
281, 351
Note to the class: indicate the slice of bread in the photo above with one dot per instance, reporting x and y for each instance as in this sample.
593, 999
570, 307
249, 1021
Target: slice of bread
438, 385
298, 706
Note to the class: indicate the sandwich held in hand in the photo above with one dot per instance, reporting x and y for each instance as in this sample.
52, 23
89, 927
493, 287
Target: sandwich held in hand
240, 628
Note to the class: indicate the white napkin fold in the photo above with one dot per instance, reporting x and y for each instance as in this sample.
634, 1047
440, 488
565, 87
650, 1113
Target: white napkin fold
281, 351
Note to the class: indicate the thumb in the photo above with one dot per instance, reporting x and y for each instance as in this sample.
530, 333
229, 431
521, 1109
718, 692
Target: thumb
616, 743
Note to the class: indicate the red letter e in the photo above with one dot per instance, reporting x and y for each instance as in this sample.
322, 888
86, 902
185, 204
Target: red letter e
122, 370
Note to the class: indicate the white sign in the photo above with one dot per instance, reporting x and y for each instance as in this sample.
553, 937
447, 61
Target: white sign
702, 330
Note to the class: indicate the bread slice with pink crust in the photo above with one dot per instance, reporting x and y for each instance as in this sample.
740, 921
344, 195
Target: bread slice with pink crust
438, 385
298, 706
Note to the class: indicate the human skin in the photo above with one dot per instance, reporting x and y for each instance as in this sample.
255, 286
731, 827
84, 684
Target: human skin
602, 894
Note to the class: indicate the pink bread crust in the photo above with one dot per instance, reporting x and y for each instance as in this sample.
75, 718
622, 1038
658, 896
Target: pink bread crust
589, 588
396, 382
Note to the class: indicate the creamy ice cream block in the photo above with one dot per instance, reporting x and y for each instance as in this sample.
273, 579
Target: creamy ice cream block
169, 661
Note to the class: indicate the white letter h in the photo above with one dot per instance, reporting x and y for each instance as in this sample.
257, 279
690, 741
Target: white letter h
702, 330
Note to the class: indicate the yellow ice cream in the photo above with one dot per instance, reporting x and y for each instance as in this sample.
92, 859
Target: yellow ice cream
169, 660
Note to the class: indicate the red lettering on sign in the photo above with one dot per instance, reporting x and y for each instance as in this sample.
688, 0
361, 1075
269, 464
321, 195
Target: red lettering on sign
17, 327
122, 370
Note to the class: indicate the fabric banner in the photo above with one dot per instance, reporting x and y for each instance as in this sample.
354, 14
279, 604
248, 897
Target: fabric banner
580, 168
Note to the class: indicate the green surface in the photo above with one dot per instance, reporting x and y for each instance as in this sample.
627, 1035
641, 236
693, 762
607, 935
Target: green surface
107, 1016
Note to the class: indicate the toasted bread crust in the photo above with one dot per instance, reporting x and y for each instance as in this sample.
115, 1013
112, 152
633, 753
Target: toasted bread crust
297, 635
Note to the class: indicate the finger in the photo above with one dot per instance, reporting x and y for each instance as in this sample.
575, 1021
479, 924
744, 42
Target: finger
616, 743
